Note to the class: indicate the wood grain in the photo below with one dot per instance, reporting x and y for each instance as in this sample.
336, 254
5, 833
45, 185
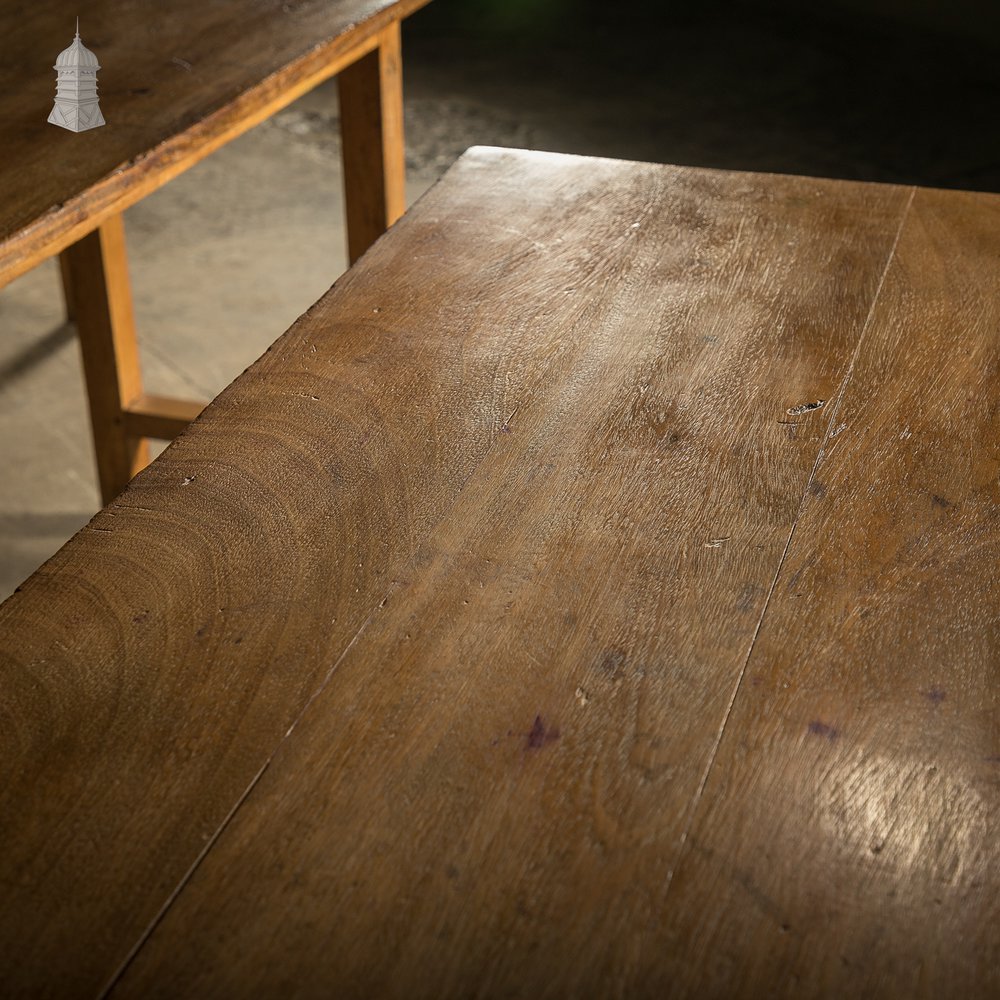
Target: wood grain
178, 80
489, 793
134, 714
846, 842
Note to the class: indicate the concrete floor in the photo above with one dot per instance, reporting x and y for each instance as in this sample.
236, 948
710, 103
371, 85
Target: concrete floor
225, 257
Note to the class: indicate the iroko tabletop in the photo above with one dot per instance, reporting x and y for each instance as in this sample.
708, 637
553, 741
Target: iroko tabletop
594, 594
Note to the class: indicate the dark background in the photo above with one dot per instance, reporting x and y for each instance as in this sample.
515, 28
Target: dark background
878, 90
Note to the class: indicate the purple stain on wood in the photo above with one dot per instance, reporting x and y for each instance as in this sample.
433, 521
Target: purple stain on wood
818, 728
613, 663
747, 598
935, 696
817, 489
940, 501
541, 734
536, 738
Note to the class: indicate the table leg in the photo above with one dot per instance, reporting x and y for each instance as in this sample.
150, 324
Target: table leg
371, 123
67, 288
96, 274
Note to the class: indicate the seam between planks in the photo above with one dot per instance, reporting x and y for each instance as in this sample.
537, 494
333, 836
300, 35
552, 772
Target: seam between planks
172, 897
244, 795
831, 422
182, 884
185, 879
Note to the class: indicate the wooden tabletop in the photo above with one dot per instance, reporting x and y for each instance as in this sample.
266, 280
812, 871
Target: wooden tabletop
594, 594
176, 81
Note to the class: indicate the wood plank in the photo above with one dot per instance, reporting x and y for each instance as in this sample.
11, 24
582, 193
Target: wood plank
846, 841
96, 271
177, 83
160, 417
309, 453
371, 122
489, 791
134, 716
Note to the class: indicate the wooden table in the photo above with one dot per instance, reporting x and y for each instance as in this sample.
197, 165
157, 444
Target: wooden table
594, 594
178, 80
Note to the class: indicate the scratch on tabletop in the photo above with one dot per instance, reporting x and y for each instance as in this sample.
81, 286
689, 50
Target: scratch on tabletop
797, 411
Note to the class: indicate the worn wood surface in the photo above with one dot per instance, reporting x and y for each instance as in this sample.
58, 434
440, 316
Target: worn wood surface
421, 662
177, 81
846, 843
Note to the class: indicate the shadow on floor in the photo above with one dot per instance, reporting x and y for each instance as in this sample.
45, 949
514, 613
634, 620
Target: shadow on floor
36, 352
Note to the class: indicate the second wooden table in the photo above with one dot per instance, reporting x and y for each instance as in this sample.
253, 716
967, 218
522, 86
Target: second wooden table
178, 80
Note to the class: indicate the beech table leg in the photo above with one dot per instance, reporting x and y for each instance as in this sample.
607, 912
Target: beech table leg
371, 122
67, 288
96, 275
